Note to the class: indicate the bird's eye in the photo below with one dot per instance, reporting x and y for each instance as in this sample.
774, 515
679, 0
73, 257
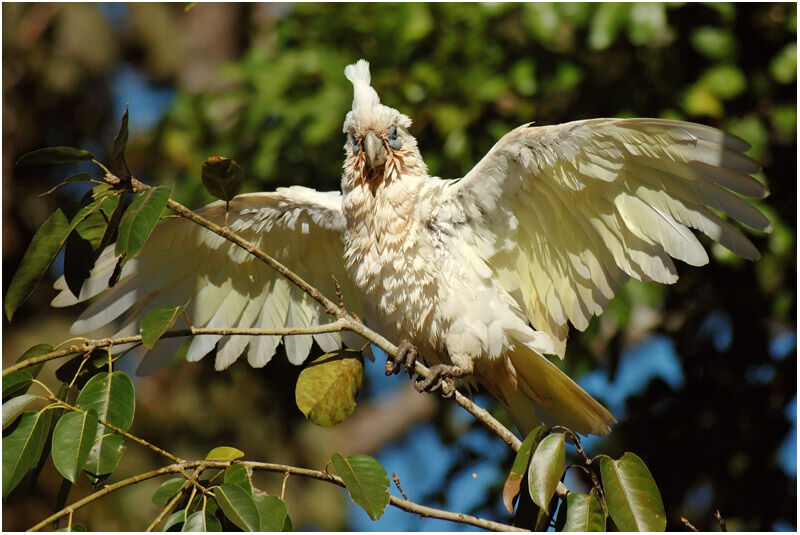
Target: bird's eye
355, 140
391, 137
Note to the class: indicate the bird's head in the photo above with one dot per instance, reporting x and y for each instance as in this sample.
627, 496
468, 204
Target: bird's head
378, 146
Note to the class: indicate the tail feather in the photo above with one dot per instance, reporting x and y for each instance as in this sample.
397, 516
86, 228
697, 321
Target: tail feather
542, 392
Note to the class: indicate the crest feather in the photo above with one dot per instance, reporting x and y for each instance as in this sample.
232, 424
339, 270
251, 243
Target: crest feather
367, 108
364, 97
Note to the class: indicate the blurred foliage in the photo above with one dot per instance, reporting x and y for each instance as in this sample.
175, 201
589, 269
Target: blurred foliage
263, 84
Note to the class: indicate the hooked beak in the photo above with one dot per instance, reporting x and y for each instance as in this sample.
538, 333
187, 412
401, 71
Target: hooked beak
374, 149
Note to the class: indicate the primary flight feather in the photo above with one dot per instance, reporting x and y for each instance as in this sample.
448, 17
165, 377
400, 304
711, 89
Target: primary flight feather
482, 274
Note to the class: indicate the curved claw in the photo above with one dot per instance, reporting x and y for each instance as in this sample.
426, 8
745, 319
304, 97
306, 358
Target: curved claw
406, 357
441, 376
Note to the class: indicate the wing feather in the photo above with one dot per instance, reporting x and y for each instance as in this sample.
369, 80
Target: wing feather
225, 286
569, 212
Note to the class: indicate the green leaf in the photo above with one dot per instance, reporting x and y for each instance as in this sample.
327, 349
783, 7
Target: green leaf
238, 506
169, 488
73, 437
783, 66
82, 245
714, 43
326, 389
36, 351
157, 322
544, 473
84, 366
239, 475
16, 383
40, 254
23, 447
14, 406
521, 461
724, 81
222, 177
140, 218
274, 513
174, 519
112, 397
366, 481
55, 155
606, 24
80, 177
224, 453
201, 521
584, 513
118, 163
632, 496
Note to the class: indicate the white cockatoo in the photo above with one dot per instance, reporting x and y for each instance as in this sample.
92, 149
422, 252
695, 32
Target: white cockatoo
481, 275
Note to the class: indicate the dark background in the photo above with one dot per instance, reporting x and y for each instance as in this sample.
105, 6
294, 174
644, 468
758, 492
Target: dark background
702, 374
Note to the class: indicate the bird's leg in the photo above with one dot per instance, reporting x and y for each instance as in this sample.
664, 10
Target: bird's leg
406, 356
441, 376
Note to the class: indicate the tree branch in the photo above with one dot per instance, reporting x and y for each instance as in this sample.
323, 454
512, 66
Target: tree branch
400, 503
90, 345
336, 311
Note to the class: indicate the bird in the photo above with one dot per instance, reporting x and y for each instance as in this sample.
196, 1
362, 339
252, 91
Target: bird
479, 276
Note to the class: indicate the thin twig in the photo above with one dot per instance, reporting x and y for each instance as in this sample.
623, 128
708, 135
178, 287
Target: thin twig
688, 524
168, 509
721, 520
91, 345
403, 504
397, 484
119, 430
336, 311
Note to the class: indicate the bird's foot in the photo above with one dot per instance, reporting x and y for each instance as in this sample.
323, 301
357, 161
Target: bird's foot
406, 357
440, 376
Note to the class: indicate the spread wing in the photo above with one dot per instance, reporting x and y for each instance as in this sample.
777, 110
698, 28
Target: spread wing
225, 286
565, 214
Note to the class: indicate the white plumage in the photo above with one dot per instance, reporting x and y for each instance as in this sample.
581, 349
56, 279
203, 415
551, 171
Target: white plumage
483, 273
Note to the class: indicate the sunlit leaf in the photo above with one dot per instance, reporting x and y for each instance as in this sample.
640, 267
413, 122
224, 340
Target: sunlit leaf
714, 43
783, 66
140, 218
55, 155
112, 397
521, 461
14, 407
544, 472
326, 389
238, 506
366, 481
23, 446
224, 453
157, 322
274, 513
584, 513
167, 490
632, 496
73, 437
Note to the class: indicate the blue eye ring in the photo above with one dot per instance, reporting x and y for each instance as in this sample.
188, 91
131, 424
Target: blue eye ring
391, 137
